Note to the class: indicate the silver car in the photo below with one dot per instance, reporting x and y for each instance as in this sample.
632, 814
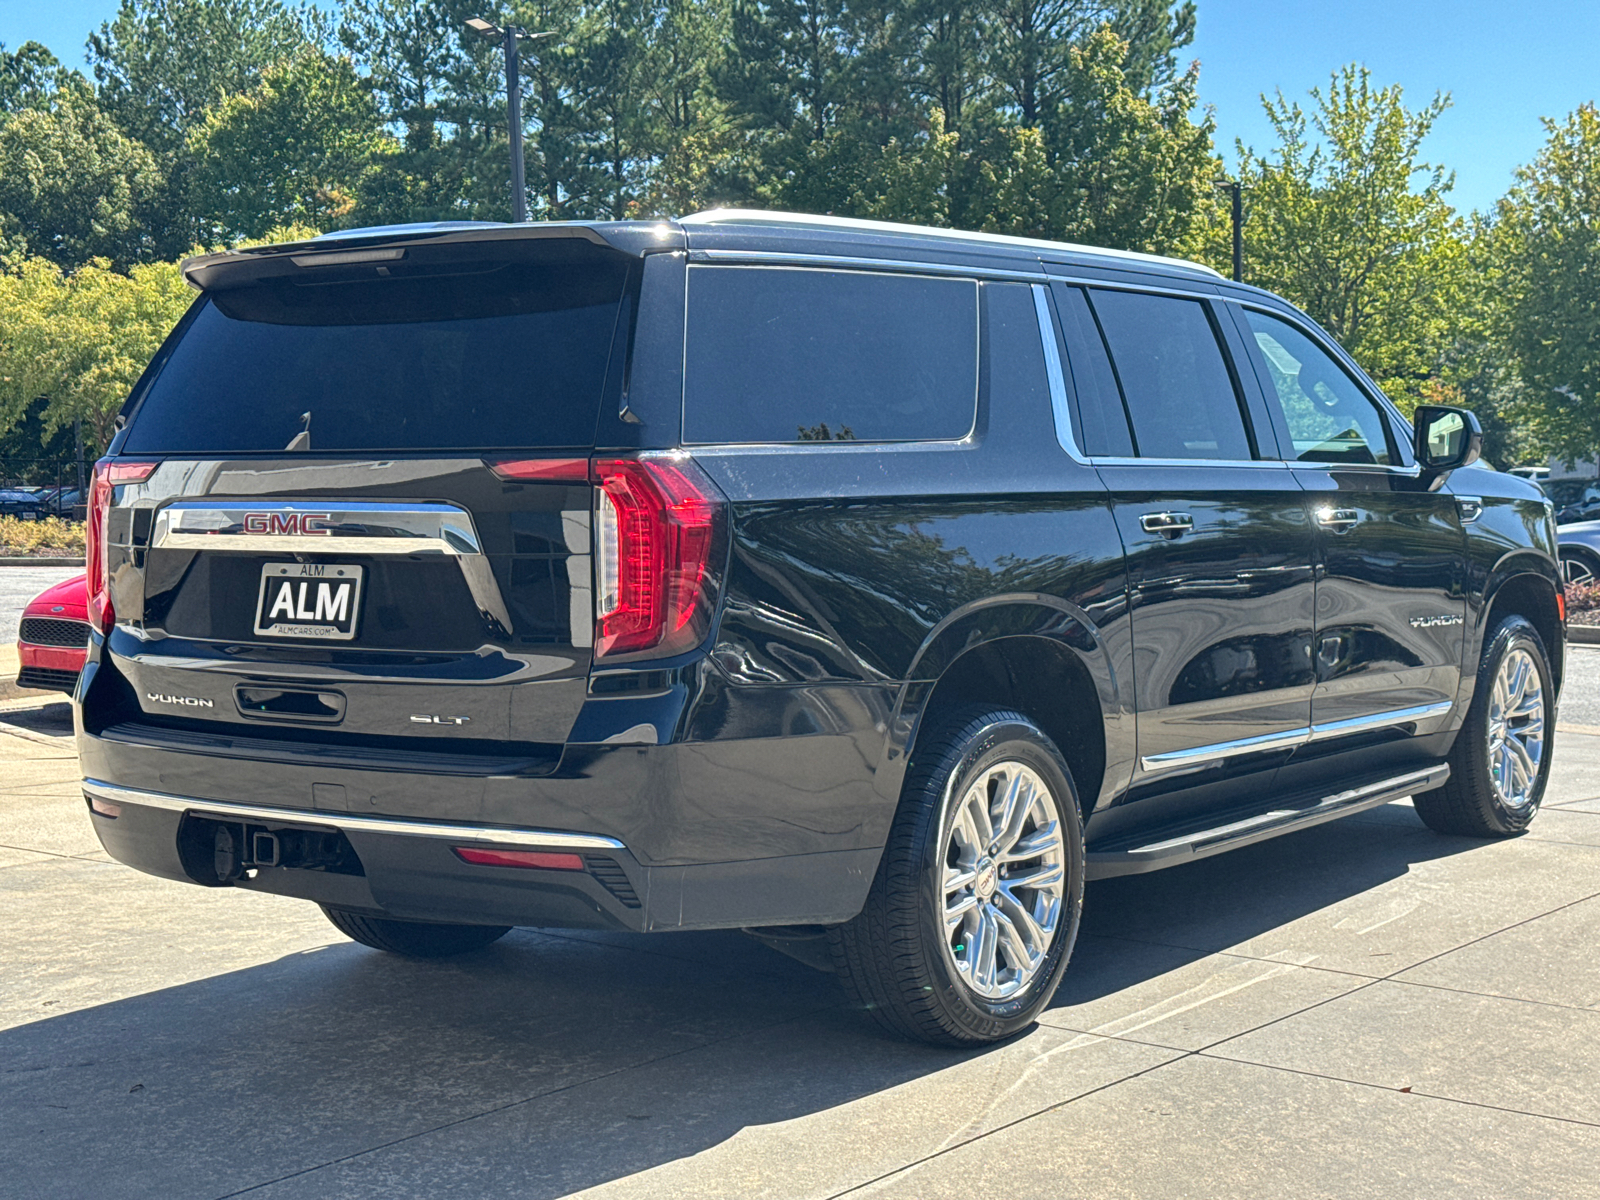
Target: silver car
1578, 544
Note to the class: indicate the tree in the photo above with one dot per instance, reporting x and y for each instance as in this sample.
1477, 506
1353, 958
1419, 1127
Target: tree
295, 148
73, 186
160, 64
81, 340
30, 77
1549, 235
1347, 221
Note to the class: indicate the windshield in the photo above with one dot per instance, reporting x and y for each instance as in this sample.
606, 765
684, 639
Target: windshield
488, 355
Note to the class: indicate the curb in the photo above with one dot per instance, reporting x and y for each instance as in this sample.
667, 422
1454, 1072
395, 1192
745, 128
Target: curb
1584, 635
39, 561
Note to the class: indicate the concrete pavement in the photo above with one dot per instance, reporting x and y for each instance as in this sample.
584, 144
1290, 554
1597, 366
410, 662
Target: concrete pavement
1363, 1009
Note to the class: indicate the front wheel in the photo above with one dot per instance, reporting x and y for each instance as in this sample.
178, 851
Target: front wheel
1500, 763
974, 910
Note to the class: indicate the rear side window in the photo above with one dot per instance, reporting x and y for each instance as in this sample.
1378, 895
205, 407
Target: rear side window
1175, 382
800, 355
499, 355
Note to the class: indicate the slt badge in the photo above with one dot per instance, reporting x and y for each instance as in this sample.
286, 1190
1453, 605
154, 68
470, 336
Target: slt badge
425, 719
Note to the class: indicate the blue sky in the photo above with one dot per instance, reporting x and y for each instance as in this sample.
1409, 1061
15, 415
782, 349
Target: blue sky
1506, 64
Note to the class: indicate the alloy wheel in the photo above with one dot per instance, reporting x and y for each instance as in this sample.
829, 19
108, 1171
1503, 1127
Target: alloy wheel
1516, 728
1004, 879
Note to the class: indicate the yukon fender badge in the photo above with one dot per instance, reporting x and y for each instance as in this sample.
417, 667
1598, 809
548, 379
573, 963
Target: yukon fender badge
428, 719
185, 701
1435, 622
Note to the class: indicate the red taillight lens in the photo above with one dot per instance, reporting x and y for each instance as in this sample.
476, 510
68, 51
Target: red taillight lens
108, 474
543, 860
656, 532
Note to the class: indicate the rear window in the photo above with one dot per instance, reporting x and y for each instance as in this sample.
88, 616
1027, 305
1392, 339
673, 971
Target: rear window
486, 355
801, 355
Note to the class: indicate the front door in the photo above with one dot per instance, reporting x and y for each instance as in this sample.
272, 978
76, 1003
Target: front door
1391, 603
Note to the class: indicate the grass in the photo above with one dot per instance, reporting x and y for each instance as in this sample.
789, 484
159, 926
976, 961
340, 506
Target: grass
49, 538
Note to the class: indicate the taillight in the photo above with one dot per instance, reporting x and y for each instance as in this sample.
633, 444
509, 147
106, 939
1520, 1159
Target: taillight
108, 474
542, 470
657, 528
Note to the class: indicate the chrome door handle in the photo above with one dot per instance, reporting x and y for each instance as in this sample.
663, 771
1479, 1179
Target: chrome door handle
1338, 519
1167, 524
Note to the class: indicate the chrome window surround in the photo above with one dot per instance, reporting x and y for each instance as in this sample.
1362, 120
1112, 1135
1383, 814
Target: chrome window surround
309, 527
353, 822
1290, 738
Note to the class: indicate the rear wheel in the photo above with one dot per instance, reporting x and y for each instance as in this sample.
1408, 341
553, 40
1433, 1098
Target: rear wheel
414, 939
974, 910
1501, 759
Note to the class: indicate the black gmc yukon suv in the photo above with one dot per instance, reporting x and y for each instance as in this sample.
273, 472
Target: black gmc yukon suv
858, 583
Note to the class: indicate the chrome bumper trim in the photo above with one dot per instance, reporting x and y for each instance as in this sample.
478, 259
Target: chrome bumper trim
354, 822
1291, 738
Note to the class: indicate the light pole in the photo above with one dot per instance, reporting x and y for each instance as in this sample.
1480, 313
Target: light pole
1237, 193
509, 37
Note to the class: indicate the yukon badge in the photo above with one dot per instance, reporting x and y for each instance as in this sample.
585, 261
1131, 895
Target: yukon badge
185, 701
1435, 622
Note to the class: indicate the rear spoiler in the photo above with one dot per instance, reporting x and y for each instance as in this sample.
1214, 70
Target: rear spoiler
364, 250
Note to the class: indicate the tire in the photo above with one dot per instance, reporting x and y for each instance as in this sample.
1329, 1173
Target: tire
985, 981
1494, 794
414, 939
1579, 566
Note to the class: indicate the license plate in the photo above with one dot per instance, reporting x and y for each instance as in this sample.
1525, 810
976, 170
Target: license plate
309, 600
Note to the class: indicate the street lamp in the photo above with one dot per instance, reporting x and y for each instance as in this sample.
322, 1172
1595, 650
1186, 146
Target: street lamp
1233, 186
509, 37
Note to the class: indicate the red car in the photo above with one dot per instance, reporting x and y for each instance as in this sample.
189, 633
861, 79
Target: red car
54, 637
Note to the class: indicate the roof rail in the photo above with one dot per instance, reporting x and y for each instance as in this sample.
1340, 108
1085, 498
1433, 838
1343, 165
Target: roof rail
753, 216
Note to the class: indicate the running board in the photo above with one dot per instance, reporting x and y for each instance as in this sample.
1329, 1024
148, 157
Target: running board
1243, 831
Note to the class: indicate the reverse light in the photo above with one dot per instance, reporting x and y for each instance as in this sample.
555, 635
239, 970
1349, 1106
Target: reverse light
543, 860
109, 474
658, 523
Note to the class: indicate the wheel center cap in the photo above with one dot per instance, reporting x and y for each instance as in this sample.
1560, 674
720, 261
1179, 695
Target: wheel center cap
986, 880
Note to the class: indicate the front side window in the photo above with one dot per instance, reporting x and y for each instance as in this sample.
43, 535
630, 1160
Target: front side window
1175, 382
1330, 419
782, 354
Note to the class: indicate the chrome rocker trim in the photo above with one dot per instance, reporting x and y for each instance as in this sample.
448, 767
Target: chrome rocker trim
1291, 738
353, 822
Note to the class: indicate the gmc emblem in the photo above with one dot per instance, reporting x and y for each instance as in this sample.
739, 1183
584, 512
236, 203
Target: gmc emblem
292, 523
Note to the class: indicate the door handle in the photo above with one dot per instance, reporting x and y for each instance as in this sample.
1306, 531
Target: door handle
1338, 519
1167, 524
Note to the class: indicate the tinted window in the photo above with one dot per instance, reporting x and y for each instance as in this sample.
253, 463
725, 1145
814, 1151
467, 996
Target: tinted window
511, 355
1102, 421
781, 355
1175, 382
1330, 419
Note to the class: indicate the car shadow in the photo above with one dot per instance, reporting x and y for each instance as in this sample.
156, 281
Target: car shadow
550, 1062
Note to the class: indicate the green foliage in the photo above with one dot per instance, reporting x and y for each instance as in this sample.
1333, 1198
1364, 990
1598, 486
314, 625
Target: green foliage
295, 148
73, 186
30, 76
160, 64
1345, 219
81, 340
1548, 235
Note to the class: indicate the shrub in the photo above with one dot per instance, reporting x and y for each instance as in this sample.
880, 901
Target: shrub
49, 538
1583, 597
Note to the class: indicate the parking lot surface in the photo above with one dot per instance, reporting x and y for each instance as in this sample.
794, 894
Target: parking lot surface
1362, 1009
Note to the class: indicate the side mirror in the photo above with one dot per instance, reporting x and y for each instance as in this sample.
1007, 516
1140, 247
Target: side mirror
1446, 439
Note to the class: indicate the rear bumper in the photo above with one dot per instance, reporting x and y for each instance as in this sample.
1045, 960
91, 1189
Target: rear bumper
409, 870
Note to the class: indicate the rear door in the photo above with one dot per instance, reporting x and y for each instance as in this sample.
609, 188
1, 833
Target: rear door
368, 531
1218, 540
1391, 597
